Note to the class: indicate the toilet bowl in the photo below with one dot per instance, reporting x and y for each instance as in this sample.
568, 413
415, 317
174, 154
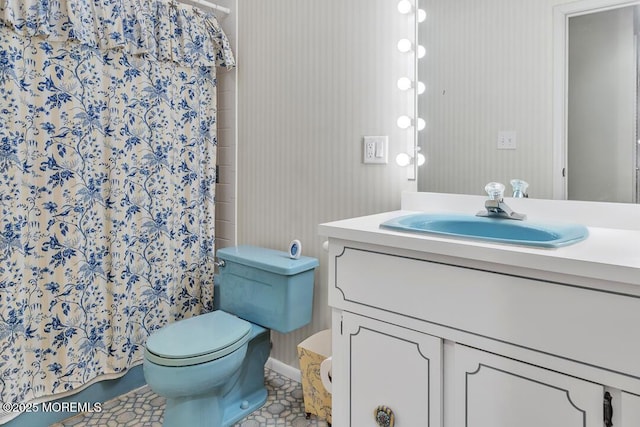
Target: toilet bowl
210, 368
197, 363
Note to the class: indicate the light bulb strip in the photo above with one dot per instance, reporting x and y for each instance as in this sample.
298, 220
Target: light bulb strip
415, 94
413, 157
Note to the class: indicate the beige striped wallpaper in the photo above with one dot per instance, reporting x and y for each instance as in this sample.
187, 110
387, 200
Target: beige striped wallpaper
314, 77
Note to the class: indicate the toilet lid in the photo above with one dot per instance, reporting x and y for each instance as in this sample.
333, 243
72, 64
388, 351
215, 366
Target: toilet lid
198, 339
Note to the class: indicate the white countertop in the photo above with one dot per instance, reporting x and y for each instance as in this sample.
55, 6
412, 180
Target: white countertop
607, 254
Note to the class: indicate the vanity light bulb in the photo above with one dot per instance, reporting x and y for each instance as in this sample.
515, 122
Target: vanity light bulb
404, 83
404, 6
403, 159
421, 159
421, 51
404, 45
421, 124
404, 122
422, 15
421, 88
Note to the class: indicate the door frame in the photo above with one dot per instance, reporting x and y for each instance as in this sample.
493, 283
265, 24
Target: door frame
561, 15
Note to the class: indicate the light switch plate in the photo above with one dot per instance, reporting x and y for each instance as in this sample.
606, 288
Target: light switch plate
506, 140
375, 150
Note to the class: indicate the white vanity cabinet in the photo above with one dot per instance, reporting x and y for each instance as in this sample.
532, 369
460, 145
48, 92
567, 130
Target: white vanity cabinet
446, 341
390, 367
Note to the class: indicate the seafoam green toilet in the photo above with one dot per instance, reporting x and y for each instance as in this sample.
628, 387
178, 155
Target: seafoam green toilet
210, 368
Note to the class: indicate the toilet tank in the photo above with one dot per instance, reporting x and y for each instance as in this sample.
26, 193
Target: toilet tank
266, 287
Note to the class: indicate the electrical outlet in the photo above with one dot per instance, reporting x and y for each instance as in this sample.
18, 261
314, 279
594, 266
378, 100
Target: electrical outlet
375, 150
506, 140
369, 150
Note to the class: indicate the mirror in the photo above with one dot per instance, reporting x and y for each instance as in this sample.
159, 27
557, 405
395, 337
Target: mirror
498, 70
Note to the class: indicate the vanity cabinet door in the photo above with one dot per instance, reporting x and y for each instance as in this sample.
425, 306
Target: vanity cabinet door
391, 367
495, 391
630, 411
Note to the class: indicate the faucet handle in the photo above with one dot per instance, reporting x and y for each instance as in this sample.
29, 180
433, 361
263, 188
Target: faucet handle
495, 190
519, 187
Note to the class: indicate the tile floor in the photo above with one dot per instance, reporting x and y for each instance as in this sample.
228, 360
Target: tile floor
143, 408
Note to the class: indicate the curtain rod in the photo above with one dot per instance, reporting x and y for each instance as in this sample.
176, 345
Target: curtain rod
212, 6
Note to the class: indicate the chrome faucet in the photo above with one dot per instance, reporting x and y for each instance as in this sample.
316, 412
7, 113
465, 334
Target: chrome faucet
495, 206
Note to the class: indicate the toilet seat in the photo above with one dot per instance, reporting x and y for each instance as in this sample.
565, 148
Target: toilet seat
196, 340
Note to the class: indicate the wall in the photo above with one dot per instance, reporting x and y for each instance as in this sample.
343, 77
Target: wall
314, 77
227, 93
489, 67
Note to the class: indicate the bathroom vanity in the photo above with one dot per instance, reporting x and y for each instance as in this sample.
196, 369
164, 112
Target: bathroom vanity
454, 332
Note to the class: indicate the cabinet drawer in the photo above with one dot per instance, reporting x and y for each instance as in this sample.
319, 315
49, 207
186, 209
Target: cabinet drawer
589, 326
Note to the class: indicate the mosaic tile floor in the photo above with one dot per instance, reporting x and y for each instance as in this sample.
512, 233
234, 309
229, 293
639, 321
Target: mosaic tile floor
142, 407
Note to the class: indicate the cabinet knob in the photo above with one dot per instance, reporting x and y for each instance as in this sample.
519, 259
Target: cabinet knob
384, 416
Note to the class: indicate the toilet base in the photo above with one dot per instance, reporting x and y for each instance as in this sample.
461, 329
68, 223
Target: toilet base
249, 393
254, 401
245, 393
210, 411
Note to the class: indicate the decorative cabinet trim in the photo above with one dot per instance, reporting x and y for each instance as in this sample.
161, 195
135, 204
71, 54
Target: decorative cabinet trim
417, 344
566, 392
491, 380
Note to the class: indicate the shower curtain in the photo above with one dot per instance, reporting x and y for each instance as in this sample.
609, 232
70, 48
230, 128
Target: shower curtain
107, 184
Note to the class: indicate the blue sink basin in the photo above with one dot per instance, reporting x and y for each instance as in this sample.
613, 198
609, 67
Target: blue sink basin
524, 233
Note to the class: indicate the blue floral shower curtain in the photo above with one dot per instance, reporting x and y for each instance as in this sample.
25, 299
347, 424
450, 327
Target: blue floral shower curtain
107, 184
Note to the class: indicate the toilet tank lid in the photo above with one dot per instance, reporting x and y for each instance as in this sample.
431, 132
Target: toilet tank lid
267, 259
